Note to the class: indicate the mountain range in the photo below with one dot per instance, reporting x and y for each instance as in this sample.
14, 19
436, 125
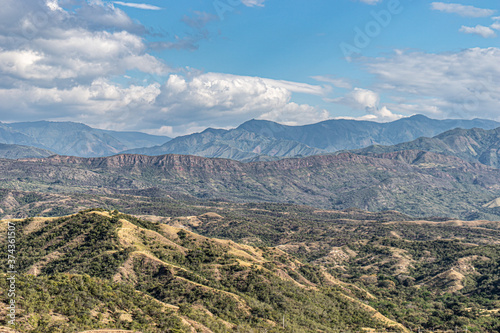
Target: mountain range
266, 140
473, 145
69, 138
254, 140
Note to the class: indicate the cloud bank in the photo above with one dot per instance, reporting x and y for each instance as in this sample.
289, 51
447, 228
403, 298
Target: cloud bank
462, 10
62, 64
457, 85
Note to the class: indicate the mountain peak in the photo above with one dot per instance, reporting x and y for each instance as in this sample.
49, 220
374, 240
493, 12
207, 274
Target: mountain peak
418, 117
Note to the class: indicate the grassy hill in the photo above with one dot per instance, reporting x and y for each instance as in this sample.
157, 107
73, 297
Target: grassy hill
321, 270
93, 269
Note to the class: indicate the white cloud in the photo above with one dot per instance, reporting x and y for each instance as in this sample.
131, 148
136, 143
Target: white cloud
294, 114
336, 82
480, 30
457, 85
51, 47
253, 3
462, 10
57, 64
80, 55
371, 2
65, 70
369, 101
138, 5
496, 26
230, 99
360, 99
101, 104
53, 5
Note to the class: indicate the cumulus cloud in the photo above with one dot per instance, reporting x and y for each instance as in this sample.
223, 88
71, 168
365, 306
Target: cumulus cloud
443, 85
57, 64
67, 69
48, 45
101, 104
496, 24
462, 10
480, 30
78, 55
360, 98
231, 99
364, 99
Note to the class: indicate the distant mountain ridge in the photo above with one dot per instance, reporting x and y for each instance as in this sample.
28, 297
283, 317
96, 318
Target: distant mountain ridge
473, 145
76, 139
10, 151
267, 140
254, 140
237, 144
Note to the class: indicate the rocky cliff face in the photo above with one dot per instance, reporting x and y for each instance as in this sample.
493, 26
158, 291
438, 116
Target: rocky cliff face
414, 182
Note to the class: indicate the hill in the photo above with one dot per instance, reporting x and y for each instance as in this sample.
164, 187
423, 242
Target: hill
357, 270
473, 145
68, 138
17, 151
102, 269
413, 182
261, 137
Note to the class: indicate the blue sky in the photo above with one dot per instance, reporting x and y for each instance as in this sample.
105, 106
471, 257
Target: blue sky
176, 67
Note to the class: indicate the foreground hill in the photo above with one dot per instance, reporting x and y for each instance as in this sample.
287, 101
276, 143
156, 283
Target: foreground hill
413, 182
385, 271
270, 139
473, 145
68, 138
101, 269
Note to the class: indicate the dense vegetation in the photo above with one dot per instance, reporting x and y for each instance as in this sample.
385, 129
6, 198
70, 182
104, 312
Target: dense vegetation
437, 274
73, 303
209, 283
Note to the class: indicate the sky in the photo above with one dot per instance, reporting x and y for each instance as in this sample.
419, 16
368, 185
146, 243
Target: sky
176, 67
